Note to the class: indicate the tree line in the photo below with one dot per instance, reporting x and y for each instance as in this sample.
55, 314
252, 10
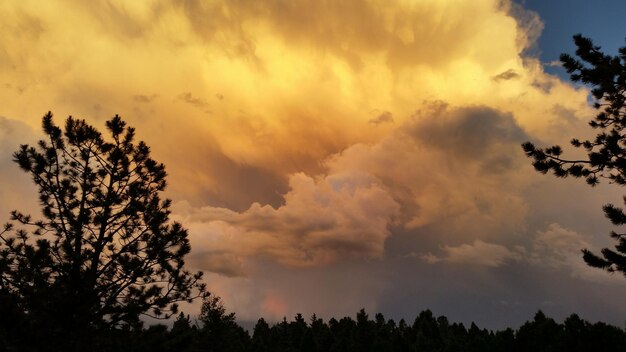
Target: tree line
216, 330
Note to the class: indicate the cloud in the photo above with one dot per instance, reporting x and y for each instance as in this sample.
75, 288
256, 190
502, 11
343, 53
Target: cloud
299, 90
477, 253
471, 132
208, 176
348, 211
17, 191
190, 99
224, 263
560, 248
384, 117
554, 248
140, 98
555, 63
432, 40
506, 75
445, 167
529, 25
337, 217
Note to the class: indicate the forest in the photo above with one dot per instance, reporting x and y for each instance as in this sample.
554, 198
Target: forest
217, 330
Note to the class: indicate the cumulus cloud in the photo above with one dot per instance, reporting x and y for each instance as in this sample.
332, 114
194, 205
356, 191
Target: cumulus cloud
348, 212
336, 217
554, 248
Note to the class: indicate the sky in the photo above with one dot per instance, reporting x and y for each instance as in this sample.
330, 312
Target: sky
328, 156
600, 20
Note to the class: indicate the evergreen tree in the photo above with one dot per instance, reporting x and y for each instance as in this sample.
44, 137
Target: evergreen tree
426, 332
104, 251
606, 154
219, 330
261, 337
182, 334
541, 334
321, 334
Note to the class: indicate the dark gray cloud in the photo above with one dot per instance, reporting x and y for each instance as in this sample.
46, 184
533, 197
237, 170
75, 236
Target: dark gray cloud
384, 117
240, 185
237, 185
506, 75
471, 132
221, 263
478, 134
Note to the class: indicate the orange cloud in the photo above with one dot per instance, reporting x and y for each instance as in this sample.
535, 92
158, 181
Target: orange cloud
336, 217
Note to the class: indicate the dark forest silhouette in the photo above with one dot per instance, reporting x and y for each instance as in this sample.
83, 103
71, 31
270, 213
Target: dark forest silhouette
216, 330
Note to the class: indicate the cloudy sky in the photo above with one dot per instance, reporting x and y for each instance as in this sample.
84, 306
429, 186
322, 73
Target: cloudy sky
333, 155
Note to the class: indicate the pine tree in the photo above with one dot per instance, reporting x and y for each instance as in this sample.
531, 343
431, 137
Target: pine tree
606, 154
104, 251
220, 331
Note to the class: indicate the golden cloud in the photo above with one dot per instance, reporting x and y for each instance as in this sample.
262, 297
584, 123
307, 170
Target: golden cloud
274, 118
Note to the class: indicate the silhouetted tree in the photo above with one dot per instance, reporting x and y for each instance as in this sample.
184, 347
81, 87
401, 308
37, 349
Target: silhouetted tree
477, 340
606, 153
542, 334
321, 334
426, 332
363, 336
219, 330
505, 341
182, 334
261, 337
104, 251
429, 333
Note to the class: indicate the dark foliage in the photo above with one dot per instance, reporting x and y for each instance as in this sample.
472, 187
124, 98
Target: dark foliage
217, 331
103, 253
430, 333
606, 153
